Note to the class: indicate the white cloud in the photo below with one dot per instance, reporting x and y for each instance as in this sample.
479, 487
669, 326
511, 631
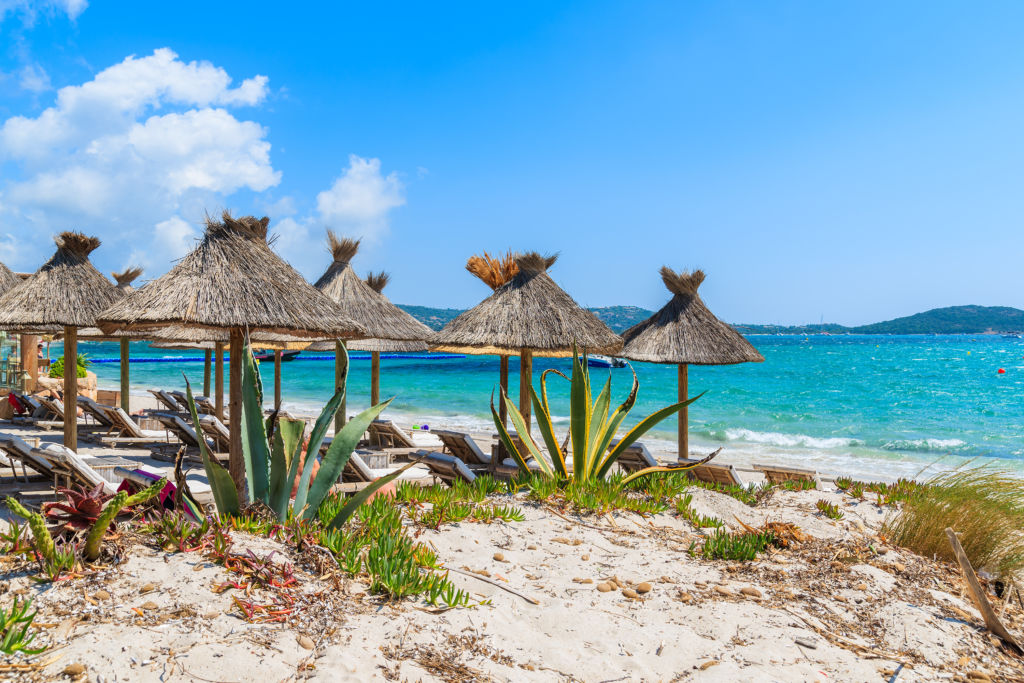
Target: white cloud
30, 9
33, 78
360, 200
144, 147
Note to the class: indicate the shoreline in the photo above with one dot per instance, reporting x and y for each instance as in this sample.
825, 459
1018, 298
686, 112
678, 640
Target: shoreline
886, 466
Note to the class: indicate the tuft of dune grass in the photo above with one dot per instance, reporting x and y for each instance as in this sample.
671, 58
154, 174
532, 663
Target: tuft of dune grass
984, 505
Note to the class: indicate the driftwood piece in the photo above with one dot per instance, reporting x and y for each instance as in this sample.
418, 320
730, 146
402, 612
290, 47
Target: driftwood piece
978, 594
509, 589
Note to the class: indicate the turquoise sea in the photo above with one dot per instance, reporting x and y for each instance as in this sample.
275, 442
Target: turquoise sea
880, 406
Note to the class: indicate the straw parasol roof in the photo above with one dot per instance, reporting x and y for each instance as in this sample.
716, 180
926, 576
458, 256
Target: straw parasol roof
685, 331
232, 279
381, 318
126, 277
529, 312
8, 280
67, 291
377, 282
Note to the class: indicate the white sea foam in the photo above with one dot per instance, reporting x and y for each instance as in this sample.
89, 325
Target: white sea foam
924, 445
789, 440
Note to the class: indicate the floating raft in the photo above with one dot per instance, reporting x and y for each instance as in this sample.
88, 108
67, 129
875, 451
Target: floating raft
200, 359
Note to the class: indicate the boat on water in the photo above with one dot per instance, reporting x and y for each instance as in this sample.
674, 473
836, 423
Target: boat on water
269, 355
605, 362
1012, 335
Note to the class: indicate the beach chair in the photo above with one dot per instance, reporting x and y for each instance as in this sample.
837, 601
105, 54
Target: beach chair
446, 467
31, 406
203, 404
94, 410
218, 433
462, 446
635, 457
713, 473
776, 475
125, 432
177, 426
17, 449
165, 399
75, 469
386, 434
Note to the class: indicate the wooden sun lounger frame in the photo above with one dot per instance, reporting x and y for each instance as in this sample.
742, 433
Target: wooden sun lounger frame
777, 474
385, 434
446, 467
713, 473
462, 446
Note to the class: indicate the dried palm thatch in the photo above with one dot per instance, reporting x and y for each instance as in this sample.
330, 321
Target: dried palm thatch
126, 277
377, 282
685, 331
182, 337
528, 313
361, 301
8, 280
232, 279
494, 271
67, 291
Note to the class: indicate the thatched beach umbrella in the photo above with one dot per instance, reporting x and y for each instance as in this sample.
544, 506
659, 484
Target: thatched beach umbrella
381, 319
529, 315
377, 282
684, 332
124, 281
67, 293
8, 280
233, 281
494, 272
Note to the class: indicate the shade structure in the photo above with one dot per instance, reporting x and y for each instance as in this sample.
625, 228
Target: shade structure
685, 332
377, 282
381, 319
8, 280
66, 293
233, 281
124, 281
529, 315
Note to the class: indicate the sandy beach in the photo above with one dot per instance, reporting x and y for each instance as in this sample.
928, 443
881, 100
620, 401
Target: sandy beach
838, 604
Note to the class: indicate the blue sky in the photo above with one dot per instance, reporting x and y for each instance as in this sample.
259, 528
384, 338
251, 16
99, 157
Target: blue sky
854, 162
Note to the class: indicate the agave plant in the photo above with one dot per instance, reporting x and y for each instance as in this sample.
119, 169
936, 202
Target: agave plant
272, 452
80, 509
591, 429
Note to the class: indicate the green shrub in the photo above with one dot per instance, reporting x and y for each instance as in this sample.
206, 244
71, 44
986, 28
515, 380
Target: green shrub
984, 505
57, 367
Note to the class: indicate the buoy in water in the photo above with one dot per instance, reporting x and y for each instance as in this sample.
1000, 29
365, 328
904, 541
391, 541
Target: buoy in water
1002, 371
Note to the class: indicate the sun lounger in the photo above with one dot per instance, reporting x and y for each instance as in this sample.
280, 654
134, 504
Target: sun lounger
215, 429
777, 475
177, 426
165, 399
124, 431
446, 467
462, 446
94, 410
74, 468
386, 434
635, 457
17, 449
713, 473
32, 407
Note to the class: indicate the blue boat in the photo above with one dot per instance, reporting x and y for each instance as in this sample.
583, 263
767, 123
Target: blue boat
605, 362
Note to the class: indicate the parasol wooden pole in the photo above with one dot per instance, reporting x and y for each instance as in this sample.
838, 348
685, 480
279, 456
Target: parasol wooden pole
30, 361
236, 464
525, 380
206, 373
71, 388
684, 414
218, 373
340, 373
374, 378
125, 379
503, 383
277, 380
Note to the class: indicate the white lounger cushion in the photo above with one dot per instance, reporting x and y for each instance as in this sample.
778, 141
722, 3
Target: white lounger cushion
77, 463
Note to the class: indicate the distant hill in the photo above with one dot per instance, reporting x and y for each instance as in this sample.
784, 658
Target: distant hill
619, 318
950, 320
434, 318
